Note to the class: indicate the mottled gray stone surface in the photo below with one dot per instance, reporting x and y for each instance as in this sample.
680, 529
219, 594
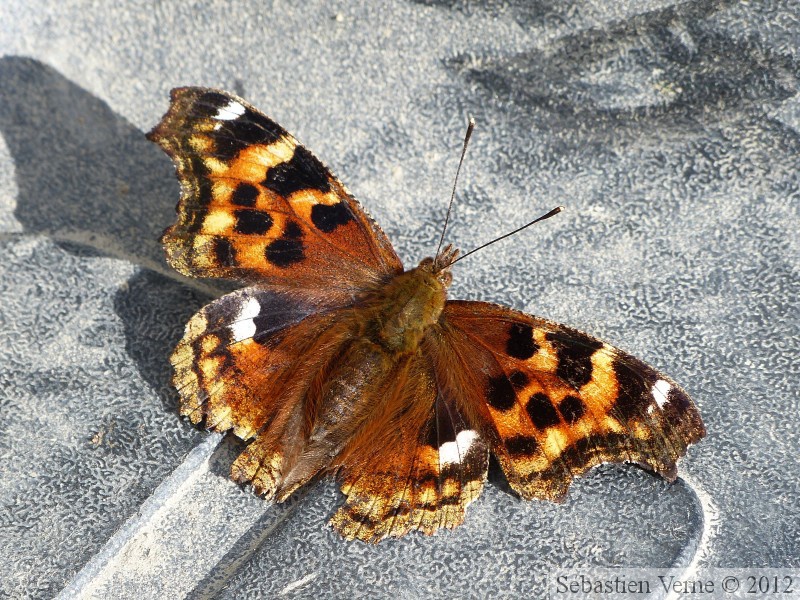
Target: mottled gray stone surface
668, 130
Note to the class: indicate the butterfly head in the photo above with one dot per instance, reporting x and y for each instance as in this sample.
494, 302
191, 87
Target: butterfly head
412, 301
439, 266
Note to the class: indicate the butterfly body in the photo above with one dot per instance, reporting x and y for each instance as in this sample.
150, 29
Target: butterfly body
335, 360
381, 333
406, 307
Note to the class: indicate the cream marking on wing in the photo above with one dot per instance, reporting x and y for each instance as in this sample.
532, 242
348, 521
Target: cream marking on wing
232, 110
660, 392
453, 452
243, 326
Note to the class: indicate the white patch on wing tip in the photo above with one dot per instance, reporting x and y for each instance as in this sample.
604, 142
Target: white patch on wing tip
452, 452
232, 110
660, 392
243, 327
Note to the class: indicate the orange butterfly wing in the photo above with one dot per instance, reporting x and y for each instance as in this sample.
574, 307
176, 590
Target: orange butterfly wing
257, 206
553, 401
416, 470
236, 349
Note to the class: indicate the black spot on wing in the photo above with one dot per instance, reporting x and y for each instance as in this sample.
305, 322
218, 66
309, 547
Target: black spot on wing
521, 445
248, 129
572, 409
208, 104
451, 471
288, 249
196, 166
427, 506
292, 231
541, 411
224, 252
500, 394
276, 311
633, 395
303, 171
432, 436
427, 479
362, 519
681, 414
327, 218
676, 399
574, 352
252, 222
194, 220
401, 510
443, 429
452, 500
245, 194
267, 323
284, 252
520, 342
518, 379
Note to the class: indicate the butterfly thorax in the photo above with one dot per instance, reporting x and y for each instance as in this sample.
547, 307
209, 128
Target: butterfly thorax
400, 312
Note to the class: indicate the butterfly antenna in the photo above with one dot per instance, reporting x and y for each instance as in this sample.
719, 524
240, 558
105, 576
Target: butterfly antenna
468, 135
553, 212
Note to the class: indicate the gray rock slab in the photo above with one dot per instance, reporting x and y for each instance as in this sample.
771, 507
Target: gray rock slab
88, 428
668, 130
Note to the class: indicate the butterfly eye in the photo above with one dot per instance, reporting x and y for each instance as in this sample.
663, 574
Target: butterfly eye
426, 264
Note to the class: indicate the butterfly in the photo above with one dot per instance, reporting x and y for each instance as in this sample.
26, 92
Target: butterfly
335, 360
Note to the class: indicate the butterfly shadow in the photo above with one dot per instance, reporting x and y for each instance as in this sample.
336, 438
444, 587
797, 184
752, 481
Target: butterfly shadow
154, 309
83, 172
90, 182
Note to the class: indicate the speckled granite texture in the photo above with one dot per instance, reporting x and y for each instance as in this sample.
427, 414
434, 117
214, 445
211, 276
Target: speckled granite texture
669, 130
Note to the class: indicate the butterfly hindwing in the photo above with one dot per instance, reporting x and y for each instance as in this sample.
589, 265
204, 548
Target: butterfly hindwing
554, 402
234, 349
257, 206
420, 475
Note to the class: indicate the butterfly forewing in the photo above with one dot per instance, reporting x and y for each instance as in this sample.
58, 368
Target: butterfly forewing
554, 402
257, 206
